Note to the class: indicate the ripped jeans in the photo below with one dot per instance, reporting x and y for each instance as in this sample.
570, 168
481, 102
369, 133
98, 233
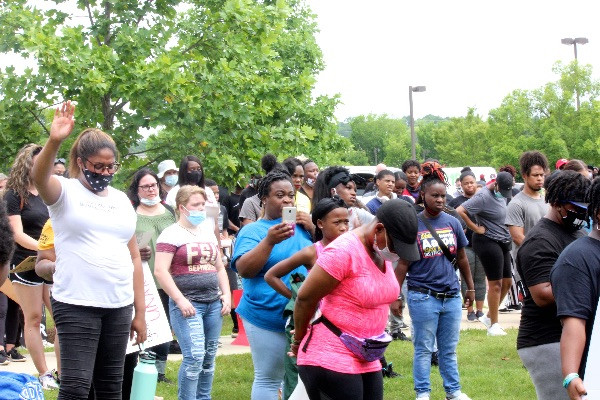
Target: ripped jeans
198, 337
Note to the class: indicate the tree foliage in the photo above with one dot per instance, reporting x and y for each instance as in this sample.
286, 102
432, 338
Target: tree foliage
227, 80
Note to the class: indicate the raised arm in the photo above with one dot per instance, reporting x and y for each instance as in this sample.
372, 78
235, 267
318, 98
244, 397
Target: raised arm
306, 256
47, 185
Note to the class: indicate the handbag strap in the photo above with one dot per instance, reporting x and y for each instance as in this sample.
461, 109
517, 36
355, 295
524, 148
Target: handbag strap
442, 245
322, 319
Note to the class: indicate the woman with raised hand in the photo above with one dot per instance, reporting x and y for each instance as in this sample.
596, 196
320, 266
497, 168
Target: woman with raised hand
434, 298
353, 283
189, 268
27, 215
259, 246
98, 281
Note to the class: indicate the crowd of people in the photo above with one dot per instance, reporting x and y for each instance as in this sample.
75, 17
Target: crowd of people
323, 293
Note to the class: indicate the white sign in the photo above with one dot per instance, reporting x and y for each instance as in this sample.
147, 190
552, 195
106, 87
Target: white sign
592, 368
156, 318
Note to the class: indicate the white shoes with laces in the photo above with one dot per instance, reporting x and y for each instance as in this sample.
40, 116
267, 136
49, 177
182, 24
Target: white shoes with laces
496, 330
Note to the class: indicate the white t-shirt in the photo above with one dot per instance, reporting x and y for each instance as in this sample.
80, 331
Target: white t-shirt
170, 200
91, 232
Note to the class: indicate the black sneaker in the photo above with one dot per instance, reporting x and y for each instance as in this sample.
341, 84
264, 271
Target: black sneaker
15, 356
4, 358
388, 372
164, 379
234, 332
435, 362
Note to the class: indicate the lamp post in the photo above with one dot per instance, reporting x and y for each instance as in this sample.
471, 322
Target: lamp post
574, 42
413, 138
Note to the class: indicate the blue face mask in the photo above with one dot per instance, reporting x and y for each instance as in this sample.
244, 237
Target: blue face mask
196, 217
171, 180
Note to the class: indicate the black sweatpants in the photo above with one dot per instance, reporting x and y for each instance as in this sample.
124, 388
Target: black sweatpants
325, 384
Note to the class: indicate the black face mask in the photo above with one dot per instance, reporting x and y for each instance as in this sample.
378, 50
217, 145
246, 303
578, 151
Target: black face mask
98, 182
194, 177
574, 220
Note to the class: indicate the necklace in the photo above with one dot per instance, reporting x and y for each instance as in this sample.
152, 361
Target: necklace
193, 233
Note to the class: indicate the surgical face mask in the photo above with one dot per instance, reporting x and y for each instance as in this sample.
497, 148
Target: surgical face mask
575, 220
310, 182
150, 202
386, 254
195, 217
171, 180
498, 194
97, 181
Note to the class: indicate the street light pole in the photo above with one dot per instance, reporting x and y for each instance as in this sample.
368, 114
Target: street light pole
574, 42
413, 137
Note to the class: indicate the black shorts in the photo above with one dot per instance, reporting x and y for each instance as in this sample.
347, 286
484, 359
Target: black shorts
494, 256
28, 278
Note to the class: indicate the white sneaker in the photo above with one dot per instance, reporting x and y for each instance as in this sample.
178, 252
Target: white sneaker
484, 319
496, 330
462, 396
48, 382
423, 398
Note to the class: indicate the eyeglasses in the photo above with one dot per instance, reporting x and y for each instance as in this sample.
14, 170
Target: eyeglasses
147, 188
99, 167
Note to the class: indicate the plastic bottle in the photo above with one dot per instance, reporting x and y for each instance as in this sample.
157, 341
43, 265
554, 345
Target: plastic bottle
145, 377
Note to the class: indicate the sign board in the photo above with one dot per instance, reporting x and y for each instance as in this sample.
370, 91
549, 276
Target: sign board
592, 368
156, 319
27, 264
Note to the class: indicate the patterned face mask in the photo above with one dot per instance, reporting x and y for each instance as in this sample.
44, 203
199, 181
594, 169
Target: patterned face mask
97, 181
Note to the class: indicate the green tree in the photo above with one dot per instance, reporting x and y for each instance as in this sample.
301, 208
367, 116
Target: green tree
373, 135
227, 80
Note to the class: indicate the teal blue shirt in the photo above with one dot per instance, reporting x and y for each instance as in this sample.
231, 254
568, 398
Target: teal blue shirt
261, 305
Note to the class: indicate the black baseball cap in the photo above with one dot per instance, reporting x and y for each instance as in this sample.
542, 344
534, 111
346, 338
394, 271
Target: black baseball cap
505, 181
400, 221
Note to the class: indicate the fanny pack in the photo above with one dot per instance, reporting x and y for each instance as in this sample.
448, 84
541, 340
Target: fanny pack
368, 349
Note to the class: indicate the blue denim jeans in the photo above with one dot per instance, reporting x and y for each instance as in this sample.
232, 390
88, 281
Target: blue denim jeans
198, 338
268, 353
435, 318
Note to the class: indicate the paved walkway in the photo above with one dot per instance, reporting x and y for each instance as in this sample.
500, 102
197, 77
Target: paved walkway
509, 320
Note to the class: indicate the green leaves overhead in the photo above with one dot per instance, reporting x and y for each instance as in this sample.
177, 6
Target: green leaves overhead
225, 80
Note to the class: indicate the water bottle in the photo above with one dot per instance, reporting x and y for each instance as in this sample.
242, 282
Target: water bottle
145, 377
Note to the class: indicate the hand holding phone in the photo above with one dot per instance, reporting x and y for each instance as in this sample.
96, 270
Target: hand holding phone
288, 215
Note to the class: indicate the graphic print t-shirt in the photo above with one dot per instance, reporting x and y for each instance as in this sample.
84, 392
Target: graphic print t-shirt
194, 257
434, 271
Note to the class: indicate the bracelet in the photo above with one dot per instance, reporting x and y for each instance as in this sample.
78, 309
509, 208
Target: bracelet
569, 378
470, 290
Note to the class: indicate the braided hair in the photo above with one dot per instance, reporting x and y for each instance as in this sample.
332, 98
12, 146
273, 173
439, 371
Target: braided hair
432, 173
593, 198
264, 186
563, 186
320, 211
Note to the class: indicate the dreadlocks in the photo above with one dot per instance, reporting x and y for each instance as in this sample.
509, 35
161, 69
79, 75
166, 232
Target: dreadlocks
264, 187
593, 198
432, 173
565, 186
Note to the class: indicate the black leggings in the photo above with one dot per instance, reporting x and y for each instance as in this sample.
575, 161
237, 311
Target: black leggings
93, 341
9, 320
325, 384
494, 256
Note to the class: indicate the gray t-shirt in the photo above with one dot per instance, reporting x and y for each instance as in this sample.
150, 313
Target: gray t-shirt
490, 212
525, 212
251, 209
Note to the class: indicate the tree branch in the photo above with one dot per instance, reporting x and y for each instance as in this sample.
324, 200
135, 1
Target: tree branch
89, 10
37, 118
143, 166
145, 151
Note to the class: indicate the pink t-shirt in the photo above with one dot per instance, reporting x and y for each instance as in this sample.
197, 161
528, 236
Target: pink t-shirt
359, 305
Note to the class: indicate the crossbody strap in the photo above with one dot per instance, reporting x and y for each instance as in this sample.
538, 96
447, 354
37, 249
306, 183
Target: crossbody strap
334, 329
442, 245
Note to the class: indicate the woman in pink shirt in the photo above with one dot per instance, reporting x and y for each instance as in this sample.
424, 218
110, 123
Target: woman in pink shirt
355, 283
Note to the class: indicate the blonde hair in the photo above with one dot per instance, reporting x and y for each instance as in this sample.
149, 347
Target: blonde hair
19, 178
88, 143
185, 192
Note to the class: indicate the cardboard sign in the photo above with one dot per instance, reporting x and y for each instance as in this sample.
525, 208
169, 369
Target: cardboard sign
156, 319
27, 264
143, 239
592, 368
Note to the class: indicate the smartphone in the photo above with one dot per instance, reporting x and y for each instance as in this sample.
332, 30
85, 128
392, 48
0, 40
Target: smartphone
289, 215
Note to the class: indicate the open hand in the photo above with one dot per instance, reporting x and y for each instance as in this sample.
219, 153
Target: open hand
63, 122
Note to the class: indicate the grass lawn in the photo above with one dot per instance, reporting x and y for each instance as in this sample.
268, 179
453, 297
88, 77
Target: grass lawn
490, 368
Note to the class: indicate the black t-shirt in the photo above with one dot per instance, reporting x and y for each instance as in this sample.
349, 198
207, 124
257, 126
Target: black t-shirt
576, 285
454, 203
232, 204
34, 215
535, 258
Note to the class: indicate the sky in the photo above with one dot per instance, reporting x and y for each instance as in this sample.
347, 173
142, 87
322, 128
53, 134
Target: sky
466, 53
